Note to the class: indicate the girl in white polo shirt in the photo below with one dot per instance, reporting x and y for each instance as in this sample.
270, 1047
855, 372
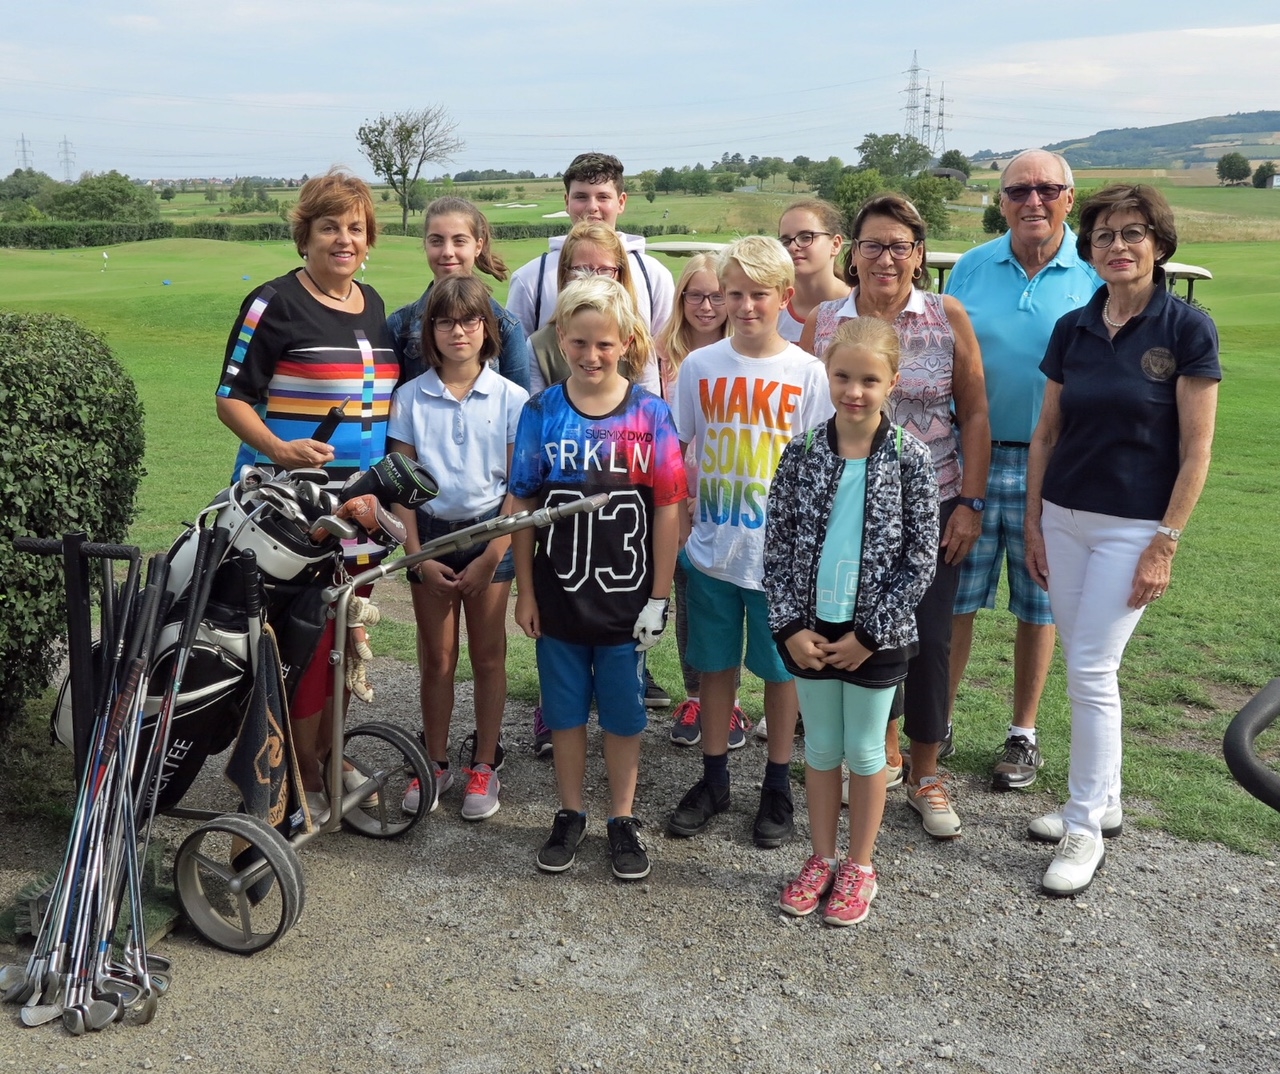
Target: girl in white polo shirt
459, 420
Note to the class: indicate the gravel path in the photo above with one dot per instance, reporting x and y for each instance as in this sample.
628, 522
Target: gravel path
447, 951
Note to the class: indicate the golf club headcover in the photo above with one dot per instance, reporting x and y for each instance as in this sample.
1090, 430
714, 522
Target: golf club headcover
367, 513
395, 479
361, 614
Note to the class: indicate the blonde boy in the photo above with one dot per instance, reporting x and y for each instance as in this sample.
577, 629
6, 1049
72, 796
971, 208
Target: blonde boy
739, 402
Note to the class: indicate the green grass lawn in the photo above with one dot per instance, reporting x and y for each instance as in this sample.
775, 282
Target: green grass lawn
1199, 654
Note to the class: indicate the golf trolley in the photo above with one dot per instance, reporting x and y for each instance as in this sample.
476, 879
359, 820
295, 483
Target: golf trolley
184, 668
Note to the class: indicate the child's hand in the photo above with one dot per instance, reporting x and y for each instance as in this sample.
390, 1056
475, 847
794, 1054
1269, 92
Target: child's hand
805, 648
527, 615
650, 624
437, 579
847, 654
477, 575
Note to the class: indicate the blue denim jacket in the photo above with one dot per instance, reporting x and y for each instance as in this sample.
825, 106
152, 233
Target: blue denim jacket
405, 326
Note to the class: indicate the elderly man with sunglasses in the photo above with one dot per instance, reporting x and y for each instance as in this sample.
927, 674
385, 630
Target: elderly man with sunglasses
1015, 289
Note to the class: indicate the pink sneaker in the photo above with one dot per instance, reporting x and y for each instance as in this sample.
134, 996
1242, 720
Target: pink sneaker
803, 894
851, 895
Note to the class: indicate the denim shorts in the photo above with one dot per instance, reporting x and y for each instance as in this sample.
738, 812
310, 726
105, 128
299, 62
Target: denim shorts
429, 528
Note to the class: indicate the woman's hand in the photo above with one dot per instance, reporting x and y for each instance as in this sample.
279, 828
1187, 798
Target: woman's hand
805, 648
527, 618
847, 654
964, 527
1155, 568
437, 579
302, 454
1037, 561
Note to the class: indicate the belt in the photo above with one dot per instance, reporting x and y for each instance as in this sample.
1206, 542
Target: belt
1010, 443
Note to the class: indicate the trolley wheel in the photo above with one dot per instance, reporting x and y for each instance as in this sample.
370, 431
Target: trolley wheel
239, 883
393, 757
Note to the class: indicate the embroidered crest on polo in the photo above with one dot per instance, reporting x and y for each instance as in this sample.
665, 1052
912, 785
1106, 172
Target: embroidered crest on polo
1158, 363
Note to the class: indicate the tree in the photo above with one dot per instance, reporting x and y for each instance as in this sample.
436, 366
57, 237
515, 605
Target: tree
111, 196
699, 182
795, 174
893, 155
957, 161
726, 182
1263, 172
667, 180
210, 193
855, 188
928, 195
419, 193
399, 145
168, 194
1234, 168
825, 177
993, 221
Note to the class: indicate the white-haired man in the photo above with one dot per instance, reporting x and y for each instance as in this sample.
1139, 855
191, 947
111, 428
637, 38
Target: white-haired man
1015, 289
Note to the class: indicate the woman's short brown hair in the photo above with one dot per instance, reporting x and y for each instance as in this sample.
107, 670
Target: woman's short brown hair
898, 208
459, 297
1119, 197
335, 193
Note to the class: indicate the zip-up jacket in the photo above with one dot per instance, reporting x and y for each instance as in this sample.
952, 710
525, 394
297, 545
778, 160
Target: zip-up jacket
899, 534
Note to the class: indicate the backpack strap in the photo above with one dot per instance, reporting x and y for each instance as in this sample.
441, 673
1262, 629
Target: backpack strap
648, 285
537, 295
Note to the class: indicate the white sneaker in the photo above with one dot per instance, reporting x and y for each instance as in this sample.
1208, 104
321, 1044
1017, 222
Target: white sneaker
929, 798
1078, 857
1051, 827
762, 730
353, 780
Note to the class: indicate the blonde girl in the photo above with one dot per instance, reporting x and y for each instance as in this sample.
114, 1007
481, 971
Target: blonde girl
458, 242
849, 551
698, 317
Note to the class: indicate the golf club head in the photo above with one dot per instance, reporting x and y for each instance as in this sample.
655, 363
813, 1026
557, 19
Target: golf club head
338, 527
312, 474
142, 1013
75, 1020
253, 476
43, 1013
20, 992
11, 976
102, 1010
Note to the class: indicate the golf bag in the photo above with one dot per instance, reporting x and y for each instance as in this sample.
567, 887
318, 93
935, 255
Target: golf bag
274, 536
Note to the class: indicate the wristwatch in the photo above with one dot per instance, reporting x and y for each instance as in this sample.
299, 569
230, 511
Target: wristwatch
976, 503
1170, 532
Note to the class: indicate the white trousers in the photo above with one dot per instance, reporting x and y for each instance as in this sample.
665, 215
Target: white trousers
1091, 563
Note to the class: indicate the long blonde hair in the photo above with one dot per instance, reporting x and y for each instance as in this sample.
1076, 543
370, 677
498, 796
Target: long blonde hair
675, 341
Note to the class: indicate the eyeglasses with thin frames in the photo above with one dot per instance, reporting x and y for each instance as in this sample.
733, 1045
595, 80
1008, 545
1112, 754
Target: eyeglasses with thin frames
585, 272
1020, 192
899, 251
448, 324
697, 298
1102, 237
802, 239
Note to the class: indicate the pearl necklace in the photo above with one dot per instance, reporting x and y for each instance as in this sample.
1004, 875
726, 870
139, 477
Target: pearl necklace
350, 288
1106, 309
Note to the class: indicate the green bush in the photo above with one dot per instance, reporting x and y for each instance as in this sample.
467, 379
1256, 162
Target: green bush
65, 234
70, 459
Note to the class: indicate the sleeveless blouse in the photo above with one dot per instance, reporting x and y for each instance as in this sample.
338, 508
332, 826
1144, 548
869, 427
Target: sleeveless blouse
922, 400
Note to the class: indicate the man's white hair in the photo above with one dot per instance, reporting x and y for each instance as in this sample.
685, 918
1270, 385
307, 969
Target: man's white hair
1067, 177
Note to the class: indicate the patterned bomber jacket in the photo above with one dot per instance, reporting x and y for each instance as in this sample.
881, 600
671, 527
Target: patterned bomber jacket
899, 535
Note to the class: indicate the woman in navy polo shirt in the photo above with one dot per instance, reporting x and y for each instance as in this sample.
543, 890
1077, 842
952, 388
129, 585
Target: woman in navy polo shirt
1116, 466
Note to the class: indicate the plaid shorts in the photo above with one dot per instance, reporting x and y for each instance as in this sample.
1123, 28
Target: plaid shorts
1003, 539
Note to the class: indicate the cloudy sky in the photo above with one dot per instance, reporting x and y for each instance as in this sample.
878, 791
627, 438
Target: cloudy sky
172, 88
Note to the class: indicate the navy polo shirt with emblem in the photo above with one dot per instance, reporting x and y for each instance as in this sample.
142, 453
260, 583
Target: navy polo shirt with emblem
1117, 449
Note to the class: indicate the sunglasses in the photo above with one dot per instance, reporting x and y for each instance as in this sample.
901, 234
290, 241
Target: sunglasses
1020, 192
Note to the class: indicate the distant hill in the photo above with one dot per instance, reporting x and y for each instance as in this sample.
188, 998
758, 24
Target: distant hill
1177, 145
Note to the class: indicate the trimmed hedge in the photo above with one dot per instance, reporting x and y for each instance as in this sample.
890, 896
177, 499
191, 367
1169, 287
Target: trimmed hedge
70, 459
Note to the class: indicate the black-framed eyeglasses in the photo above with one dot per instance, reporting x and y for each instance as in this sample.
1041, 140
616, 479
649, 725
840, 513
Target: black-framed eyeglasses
899, 251
697, 298
448, 324
1102, 237
1020, 192
585, 272
802, 239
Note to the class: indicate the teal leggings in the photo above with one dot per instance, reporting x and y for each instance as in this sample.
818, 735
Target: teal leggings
844, 722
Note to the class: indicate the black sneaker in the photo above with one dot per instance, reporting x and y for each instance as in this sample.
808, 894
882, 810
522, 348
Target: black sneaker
626, 851
697, 808
1017, 763
567, 831
655, 697
469, 748
946, 747
775, 821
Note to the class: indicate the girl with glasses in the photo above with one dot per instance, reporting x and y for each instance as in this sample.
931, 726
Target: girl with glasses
811, 229
590, 249
459, 420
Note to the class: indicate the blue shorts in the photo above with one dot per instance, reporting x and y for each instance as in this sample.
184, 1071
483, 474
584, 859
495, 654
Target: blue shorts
716, 612
1003, 539
430, 528
571, 675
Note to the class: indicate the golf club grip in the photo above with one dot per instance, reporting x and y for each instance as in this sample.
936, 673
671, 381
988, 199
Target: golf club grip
144, 624
194, 609
50, 546
331, 421
252, 584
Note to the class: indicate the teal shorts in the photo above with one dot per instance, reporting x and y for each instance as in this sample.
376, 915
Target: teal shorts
717, 611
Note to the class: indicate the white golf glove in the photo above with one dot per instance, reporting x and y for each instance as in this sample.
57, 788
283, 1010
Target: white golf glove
650, 624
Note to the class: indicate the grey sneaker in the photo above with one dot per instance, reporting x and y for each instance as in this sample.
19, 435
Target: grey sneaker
413, 793
558, 852
1017, 763
929, 798
1051, 828
947, 747
1079, 856
481, 800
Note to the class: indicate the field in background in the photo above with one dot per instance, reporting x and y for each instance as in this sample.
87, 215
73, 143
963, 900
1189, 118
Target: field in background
1209, 644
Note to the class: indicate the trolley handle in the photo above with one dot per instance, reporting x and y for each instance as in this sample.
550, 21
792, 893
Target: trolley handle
53, 546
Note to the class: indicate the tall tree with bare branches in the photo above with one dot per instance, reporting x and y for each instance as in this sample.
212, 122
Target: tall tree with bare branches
399, 145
